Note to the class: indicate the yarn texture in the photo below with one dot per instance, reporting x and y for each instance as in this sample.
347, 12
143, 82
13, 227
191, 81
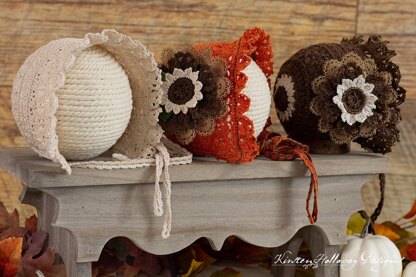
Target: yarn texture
197, 117
335, 94
234, 138
257, 88
94, 105
51, 77
43, 74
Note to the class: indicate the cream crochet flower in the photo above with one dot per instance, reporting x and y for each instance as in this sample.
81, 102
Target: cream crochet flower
181, 90
355, 100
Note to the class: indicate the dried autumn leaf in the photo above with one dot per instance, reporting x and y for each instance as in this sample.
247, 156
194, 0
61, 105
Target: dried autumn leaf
37, 257
195, 268
355, 224
385, 231
44, 263
226, 272
140, 261
108, 263
121, 246
202, 256
31, 223
404, 234
8, 220
403, 249
251, 254
411, 252
35, 244
14, 232
10, 253
412, 211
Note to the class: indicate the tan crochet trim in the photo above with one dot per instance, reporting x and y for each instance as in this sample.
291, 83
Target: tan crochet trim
178, 156
331, 67
34, 102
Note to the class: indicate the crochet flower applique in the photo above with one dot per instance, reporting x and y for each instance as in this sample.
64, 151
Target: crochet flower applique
355, 100
285, 97
363, 100
181, 90
194, 86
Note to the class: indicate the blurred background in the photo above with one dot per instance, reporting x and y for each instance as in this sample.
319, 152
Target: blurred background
27, 25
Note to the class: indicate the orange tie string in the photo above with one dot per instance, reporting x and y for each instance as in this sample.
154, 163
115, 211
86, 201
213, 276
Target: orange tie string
278, 148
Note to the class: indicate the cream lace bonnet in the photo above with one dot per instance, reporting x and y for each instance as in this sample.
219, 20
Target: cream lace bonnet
35, 103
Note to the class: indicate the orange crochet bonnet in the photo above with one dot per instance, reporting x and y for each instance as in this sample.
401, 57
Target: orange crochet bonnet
232, 135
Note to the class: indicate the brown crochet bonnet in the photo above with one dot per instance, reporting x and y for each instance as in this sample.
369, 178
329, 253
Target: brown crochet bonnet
328, 95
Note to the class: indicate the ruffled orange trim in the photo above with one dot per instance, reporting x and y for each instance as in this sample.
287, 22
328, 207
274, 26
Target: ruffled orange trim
233, 139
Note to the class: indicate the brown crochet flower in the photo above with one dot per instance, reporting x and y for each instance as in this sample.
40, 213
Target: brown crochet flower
354, 99
194, 84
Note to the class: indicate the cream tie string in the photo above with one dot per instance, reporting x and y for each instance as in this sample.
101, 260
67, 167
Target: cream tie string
162, 167
162, 162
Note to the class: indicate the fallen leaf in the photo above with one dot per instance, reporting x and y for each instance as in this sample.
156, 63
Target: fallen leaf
37, 257
355, 224
8, 220
34, 244
383, 230
404, 234
412, 211
403, 249
250, 254
411, 252
108, 263
226, 272
202, 256
140, 261
121, 246
10, 254
195, 268
31, 223
14, 232
44, 263
184, 259
121, 257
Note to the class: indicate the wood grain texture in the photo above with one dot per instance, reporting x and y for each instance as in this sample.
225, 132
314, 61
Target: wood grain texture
264, 212
38, 172
396, 21
159, 24
261, 202
25, 26
387, 17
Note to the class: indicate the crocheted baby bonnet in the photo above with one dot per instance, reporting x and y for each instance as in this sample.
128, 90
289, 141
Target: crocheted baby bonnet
328, 95
123, 107
216, 102
217, 96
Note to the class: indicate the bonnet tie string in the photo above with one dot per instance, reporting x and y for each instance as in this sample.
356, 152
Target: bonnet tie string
278, 148
378, 209
162, 160
162, 168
